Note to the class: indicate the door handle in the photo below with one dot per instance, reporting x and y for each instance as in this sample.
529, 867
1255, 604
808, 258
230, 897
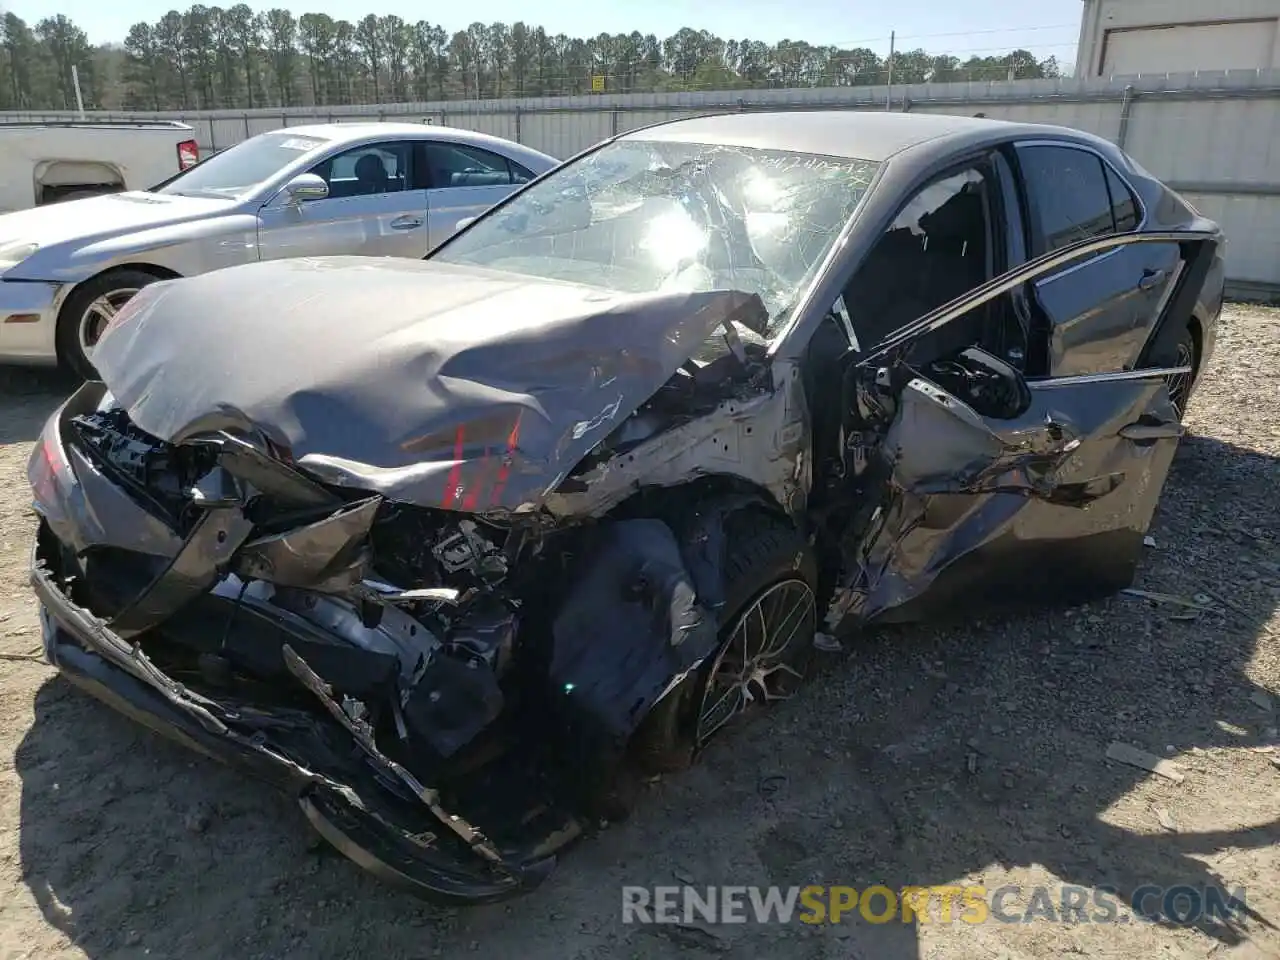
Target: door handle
1151, 279
1150, 432
406, 223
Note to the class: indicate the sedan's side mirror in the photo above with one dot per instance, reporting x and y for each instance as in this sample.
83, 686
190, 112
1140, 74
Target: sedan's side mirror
306, 186
463, 223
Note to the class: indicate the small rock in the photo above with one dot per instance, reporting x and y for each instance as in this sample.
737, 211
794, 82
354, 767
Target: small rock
1261, 700
132, 938
1166, 819
197, 819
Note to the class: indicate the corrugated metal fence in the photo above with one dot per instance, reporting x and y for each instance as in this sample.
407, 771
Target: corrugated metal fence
1213, 136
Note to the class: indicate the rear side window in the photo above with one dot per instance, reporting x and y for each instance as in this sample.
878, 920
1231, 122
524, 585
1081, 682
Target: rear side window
461, 165
1071, 195
1124, 206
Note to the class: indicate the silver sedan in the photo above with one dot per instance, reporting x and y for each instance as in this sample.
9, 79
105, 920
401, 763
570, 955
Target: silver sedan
374, 189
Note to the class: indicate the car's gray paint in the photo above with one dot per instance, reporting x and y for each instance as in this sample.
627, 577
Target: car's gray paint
484, 393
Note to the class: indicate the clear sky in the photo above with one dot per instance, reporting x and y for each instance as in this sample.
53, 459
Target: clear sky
959, 27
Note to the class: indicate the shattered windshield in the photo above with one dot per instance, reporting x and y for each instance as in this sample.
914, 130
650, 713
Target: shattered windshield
653, 216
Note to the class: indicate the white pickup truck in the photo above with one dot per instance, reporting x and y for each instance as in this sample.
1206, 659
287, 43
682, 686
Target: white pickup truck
47, 162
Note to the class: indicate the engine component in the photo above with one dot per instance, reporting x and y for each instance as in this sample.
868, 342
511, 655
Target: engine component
469, 550
486, 633
451, 704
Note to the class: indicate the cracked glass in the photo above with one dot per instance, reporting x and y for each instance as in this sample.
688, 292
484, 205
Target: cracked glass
656, 217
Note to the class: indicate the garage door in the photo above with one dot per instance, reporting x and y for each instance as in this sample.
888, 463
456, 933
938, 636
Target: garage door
1183, 49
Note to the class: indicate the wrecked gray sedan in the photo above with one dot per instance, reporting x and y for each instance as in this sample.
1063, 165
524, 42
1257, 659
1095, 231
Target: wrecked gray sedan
455, 550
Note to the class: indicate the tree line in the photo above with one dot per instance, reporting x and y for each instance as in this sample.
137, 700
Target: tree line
235, 57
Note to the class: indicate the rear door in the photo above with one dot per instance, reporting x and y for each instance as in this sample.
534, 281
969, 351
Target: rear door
1097, 312
376, 206
464, 182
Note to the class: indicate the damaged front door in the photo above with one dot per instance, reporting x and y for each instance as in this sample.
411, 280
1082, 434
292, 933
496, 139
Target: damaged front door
1046, 495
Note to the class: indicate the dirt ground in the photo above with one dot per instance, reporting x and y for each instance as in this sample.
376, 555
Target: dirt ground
972, 753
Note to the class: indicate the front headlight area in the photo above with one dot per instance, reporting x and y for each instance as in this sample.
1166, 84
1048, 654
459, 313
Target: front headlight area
13, 252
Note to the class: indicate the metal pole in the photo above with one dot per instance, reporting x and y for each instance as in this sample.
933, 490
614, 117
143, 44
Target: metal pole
75, 82
888, 100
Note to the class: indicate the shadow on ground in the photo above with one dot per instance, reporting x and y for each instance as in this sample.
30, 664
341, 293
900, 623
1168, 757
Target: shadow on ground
28, 397
929, 755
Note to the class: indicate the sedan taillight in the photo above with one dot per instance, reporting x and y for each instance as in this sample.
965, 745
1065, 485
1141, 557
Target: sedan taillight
188, 154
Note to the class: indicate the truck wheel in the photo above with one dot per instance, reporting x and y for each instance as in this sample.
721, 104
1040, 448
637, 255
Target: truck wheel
88, 311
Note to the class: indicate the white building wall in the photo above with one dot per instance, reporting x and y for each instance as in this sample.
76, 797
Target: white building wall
1130, 37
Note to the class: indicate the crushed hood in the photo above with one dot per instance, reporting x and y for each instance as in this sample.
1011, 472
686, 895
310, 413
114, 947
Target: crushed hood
101, 218
435, 384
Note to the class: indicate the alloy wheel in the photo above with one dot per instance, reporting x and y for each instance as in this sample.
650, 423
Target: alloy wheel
758, 662
1179, 384
98, 316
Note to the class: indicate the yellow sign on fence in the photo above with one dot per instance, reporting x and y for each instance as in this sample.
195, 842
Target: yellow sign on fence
597, 84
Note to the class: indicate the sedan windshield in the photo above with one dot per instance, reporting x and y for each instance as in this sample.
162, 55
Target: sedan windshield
239, 169
655, 216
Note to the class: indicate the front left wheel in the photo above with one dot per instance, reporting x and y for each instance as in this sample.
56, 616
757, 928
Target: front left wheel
767, 641
89, 311
766, 638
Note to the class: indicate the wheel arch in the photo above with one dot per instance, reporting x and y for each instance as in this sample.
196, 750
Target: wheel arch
660, 742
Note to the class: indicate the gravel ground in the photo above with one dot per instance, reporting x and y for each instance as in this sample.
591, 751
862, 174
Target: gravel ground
972, 753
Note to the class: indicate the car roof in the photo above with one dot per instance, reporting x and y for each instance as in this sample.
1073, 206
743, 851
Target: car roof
367, 130
856, 134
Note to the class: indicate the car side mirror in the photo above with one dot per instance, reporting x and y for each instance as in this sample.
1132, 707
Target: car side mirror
463, 223
305, 187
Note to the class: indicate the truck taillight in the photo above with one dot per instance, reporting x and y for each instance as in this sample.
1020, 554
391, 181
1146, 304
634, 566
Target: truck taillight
188, 154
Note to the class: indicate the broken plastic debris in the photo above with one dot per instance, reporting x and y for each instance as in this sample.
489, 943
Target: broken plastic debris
1134, 757
1261, 700
826, 643
1148, 541
1200, 602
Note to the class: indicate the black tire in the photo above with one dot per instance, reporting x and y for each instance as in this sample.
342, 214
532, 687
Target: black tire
113, 284
1184, 354
762, 551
